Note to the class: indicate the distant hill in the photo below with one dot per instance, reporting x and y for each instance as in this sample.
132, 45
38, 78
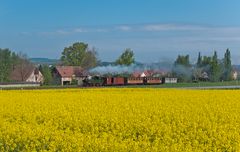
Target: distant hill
44, 61
236, 67
113, 63
105, 63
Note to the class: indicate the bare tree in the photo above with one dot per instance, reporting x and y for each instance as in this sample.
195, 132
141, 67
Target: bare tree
23, 67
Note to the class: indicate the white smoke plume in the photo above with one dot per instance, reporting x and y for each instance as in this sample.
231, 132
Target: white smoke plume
118, 69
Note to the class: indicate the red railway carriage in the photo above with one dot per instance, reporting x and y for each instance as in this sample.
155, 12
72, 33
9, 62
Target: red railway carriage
118, 81
114, 81
133, 80
153, 80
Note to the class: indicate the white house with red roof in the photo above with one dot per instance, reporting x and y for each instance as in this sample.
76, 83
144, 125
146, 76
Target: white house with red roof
67, 74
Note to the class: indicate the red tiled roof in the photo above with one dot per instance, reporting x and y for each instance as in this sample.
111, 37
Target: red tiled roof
148, 73
69, 71
136, 74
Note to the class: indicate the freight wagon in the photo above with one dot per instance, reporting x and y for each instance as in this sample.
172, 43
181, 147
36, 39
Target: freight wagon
108, 81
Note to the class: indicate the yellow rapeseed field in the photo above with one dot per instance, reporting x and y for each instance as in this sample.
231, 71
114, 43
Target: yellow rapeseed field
120, 120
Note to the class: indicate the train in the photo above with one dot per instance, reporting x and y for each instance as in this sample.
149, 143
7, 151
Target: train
121, 81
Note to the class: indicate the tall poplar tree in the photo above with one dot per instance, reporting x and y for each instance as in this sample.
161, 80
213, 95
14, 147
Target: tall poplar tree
199, 60
227, 65
215, 68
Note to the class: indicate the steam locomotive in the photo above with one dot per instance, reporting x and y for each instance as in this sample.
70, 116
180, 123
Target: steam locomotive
115, 81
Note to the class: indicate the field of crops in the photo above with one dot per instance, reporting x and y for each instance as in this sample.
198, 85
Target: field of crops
120, 120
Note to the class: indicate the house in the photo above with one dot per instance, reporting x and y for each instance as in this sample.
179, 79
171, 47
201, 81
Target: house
147, 73
151, 73
68, 74
234, 74
138, 74
161, 73
204, 76
27, 73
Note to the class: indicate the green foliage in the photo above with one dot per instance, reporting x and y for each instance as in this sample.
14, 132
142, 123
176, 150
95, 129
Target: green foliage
182, 60
8, 62
227, 59
79, 55
206, 61
5, 64
218, 69
227, 65
74, 82
182, 68
199, 60
46, 72
215, 68
127, 58
90, 60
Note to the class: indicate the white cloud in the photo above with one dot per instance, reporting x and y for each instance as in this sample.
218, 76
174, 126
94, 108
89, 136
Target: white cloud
159, 27
201, 30
25, 33
62, 32
101, 30
79, 30
124, 28
171, 27
72, 31
154, 40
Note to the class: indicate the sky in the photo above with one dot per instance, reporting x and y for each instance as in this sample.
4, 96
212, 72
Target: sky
156, 30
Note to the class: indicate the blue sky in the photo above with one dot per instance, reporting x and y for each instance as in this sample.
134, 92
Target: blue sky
156, 30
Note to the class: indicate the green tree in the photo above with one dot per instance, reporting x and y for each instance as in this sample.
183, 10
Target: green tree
79, 54
5, 64
90, 60
182, 68
199, 60
47, 74
10, 61
215, 68
127, 58
182, 60
206, 61
227, 65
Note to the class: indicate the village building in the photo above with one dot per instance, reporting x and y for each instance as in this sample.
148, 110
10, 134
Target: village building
143, 74
150, 73
234, 75
136, 74
66, 75
26, 74
161, 73
204, 76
